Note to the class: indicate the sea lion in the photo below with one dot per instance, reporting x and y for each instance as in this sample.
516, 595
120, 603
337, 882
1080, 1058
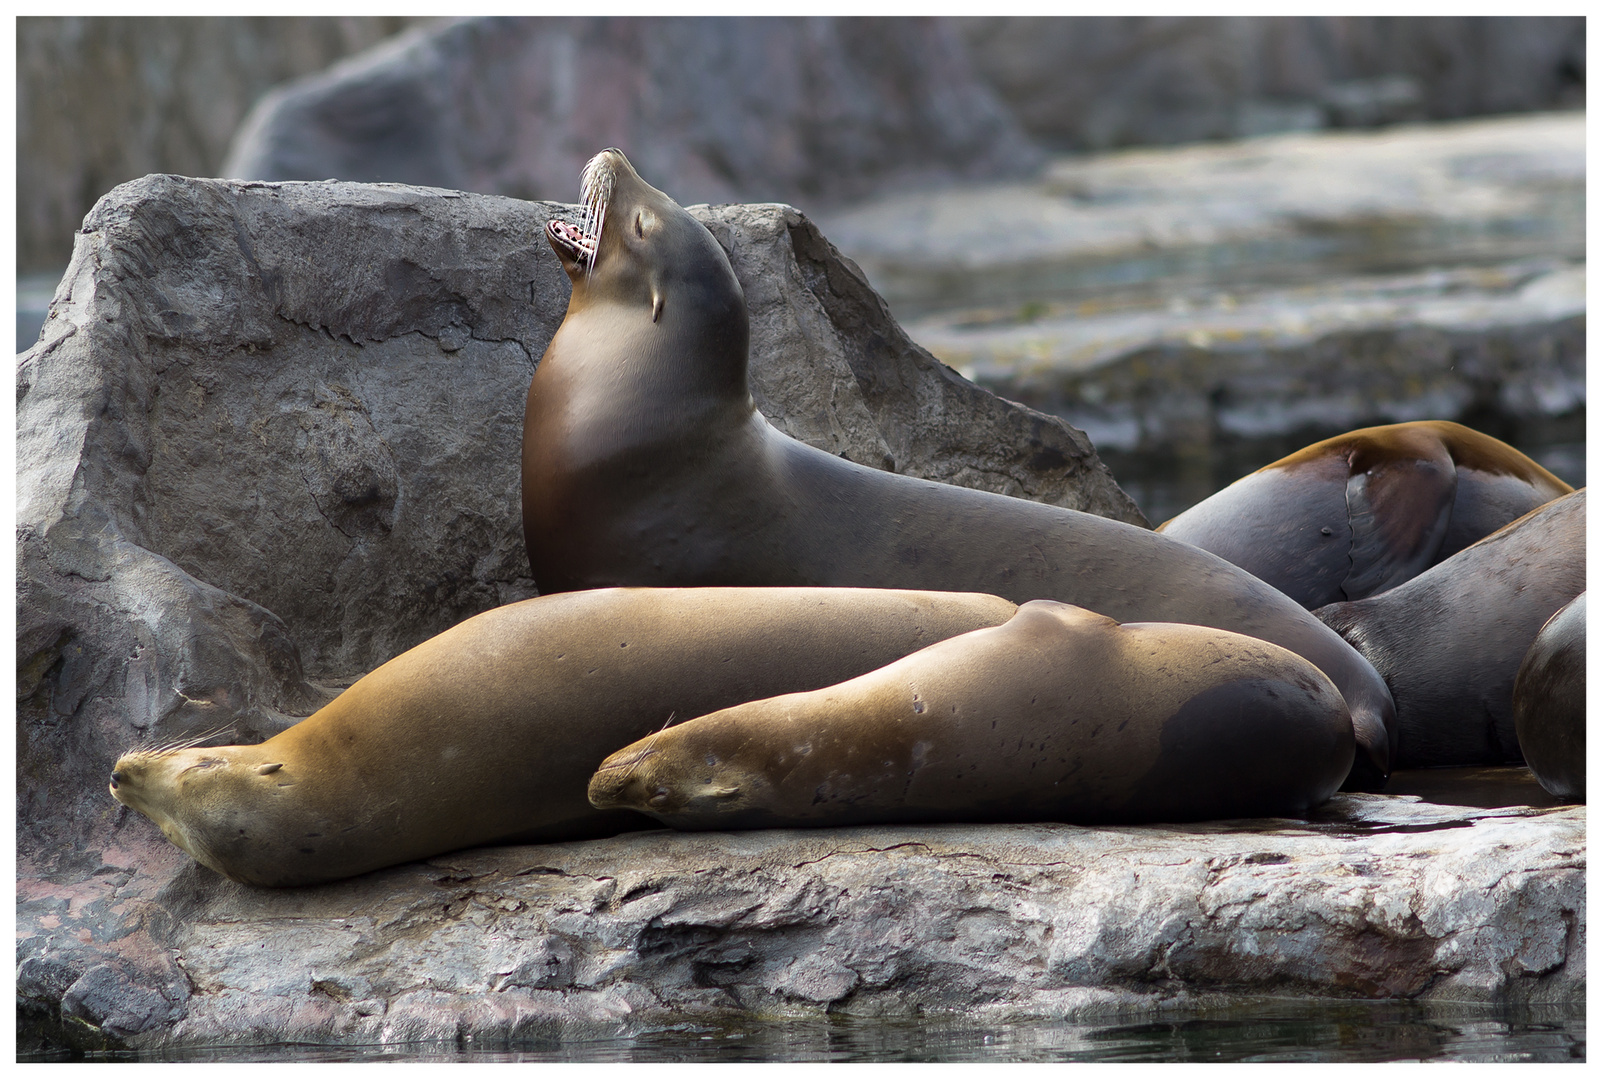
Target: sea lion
1363, 512
1450, 641
1550, 703
645, 462
1059, 714
489, 732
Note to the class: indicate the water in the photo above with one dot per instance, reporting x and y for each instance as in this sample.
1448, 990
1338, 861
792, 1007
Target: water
1278, 1030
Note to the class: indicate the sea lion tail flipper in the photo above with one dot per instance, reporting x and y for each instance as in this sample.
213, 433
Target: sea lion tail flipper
1398, 510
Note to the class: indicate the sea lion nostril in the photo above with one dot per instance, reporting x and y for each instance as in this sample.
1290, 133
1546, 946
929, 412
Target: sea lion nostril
116, 778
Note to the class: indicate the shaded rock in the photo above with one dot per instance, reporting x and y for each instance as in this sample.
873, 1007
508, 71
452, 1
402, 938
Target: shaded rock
1099, 82
1379, 896
107, 99
710, 109
270, 440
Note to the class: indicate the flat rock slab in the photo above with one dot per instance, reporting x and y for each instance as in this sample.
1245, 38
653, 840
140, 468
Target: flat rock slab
1375, 896
1276, 209
1158, 374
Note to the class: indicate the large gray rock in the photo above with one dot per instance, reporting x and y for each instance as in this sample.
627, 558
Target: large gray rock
1099, 82
709, 109
1380, 896
270, 439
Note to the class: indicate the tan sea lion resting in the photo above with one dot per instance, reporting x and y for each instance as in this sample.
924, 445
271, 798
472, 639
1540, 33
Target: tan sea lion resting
645, 462
489, 732
1550, 703
1060, 714
1363, 512
1450, 641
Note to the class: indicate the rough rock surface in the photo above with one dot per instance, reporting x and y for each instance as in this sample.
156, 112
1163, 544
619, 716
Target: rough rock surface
1097, 82
709, 109
1502, 344
1378, 896
270, 439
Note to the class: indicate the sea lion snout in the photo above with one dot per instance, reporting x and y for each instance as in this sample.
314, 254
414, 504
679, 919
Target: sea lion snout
619, 784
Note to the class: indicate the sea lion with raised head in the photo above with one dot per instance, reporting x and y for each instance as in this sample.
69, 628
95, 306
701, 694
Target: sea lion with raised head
1550, 703
1059, 714
1363, 512
489, 732
645, 462
1450, 641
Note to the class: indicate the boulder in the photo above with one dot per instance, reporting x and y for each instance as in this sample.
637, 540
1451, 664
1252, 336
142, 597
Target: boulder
1377, 896
710, 109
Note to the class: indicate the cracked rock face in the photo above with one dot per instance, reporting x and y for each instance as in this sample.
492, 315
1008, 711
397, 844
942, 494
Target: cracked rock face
269, 438
1378, 896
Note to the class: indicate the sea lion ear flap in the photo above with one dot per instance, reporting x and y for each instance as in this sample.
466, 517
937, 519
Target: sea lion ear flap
656, 304
266, 770
1398, 510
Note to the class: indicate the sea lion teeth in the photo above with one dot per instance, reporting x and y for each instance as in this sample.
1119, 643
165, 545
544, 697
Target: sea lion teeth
646, 462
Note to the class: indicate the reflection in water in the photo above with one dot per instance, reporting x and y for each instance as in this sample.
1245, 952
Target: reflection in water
1485, 786
1265, 1030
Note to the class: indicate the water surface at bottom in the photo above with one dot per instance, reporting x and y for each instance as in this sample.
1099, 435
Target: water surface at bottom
1286, 1030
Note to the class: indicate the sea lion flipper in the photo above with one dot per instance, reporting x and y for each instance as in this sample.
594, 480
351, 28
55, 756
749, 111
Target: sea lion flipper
1398, 510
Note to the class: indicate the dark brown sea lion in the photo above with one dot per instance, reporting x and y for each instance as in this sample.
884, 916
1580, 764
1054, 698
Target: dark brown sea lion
1363, 512
489, 732
1450, 641
1060, 714
645, 462
1550, 703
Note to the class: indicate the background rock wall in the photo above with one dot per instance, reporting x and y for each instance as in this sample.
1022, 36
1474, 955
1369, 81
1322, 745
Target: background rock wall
711, 109
108, 99
761, 109
1100, 82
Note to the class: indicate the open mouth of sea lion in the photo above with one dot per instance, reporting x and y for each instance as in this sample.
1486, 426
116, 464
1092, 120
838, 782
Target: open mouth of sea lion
572, 243
580, 243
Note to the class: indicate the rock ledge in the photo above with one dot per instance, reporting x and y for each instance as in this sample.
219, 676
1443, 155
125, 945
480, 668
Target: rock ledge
1379, 896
